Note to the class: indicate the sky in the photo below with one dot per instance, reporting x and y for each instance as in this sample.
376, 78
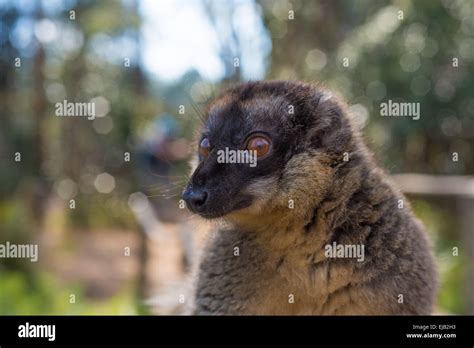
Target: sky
178, 36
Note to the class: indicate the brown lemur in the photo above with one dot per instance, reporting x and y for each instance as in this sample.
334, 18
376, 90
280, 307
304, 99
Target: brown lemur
314, 187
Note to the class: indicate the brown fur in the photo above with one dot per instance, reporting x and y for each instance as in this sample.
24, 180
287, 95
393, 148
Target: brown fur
281, 250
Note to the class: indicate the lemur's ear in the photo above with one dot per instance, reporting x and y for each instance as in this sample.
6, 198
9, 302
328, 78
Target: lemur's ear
332, 131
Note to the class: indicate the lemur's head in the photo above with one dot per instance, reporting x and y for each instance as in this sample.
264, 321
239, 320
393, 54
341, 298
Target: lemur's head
290, 139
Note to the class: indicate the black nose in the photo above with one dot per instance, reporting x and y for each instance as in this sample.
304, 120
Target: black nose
195, 198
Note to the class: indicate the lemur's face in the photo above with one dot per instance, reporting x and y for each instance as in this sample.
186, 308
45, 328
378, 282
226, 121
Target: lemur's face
255, 149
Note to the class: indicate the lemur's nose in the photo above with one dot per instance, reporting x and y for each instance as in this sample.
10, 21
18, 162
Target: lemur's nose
195, 198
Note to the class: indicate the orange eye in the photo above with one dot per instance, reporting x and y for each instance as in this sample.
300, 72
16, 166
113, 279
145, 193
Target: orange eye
204, 147
260, 144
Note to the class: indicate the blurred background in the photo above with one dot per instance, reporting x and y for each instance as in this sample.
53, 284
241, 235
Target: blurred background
101, 197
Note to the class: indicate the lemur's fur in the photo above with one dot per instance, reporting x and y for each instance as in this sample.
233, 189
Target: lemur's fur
279, 265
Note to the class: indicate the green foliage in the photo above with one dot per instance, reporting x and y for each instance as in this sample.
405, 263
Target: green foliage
40, 294
440, 222
453, 294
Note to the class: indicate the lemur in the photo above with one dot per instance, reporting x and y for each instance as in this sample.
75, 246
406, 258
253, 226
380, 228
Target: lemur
315, 186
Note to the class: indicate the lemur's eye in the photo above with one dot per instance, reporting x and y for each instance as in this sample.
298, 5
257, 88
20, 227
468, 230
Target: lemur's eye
204, 147
260, 144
